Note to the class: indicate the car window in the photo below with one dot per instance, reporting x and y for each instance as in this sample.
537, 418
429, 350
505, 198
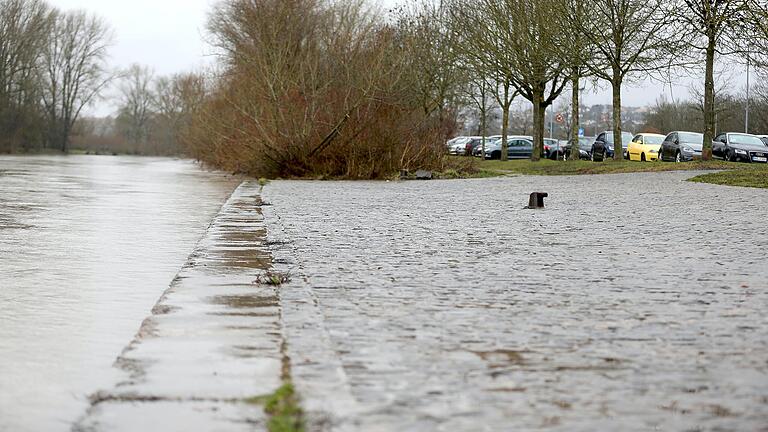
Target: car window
671, 137
653, 139
691, 137
638, 139
601, 137
720, 138
745, 139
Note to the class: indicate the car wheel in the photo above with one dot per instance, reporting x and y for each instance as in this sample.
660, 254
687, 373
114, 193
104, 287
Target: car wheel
678, 157
642, 157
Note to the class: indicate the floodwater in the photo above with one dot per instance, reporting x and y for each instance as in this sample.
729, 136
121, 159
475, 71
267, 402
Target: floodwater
87, 246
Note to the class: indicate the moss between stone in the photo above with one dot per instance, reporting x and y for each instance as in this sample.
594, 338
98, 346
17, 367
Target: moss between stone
283, 409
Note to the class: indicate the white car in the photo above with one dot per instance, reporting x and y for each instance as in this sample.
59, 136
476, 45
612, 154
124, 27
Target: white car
456, 146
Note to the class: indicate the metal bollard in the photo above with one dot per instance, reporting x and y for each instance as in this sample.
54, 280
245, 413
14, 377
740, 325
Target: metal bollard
537, 200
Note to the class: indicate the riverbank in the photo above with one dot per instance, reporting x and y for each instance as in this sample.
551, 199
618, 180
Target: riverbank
212, 355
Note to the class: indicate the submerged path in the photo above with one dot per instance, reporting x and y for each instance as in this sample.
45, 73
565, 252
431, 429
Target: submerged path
214, 339
632, 302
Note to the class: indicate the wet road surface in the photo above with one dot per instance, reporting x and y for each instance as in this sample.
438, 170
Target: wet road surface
87, 246
632, 302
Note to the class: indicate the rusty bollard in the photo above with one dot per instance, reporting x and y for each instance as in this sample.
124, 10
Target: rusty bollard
537, 200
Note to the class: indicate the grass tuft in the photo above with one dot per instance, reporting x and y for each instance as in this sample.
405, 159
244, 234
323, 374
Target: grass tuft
283, 409
272, 278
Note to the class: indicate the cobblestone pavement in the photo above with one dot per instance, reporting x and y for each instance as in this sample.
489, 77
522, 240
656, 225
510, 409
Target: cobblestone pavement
632, 302
214, 339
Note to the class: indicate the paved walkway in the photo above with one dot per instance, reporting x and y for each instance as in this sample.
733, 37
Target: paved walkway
632, 302
213, 340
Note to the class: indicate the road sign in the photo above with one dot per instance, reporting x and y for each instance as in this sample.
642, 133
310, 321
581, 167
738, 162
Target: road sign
581, 132
559, 118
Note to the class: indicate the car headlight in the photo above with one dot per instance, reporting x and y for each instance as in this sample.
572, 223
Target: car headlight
741, 152
687, 149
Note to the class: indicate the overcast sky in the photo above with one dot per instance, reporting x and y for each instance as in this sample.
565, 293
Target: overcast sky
167, 35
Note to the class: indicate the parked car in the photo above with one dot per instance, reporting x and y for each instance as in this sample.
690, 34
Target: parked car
518, 147
740, 147
645, 147
489, 142
557, 152
681, 146
603, 146
551, 146
584, 148
456, 146
477, 143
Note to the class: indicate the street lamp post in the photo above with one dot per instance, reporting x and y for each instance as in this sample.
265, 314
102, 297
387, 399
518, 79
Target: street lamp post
746, 113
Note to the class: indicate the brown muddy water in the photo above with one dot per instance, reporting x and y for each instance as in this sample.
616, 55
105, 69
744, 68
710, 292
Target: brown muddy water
87, 245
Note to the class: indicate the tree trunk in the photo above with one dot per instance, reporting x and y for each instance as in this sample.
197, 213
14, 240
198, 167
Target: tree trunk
505, 123
709, 101
618, 146
539, 110
483, 121
575, 114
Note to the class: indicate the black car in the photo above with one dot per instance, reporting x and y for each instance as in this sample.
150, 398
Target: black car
584, 148
603, 146
681, 146
740, 147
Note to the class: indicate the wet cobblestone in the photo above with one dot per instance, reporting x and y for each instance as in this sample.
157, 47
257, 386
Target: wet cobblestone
632, 302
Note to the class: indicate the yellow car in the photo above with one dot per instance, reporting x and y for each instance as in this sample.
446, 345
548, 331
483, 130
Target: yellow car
645, 147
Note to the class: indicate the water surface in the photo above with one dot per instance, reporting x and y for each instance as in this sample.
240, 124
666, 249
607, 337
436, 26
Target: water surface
87, 246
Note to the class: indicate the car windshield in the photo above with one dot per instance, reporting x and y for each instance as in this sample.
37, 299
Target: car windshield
745, 139
691, 137
626, 138
653, 139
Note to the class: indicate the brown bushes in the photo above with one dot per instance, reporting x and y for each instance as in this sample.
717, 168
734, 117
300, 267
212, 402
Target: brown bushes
313, 89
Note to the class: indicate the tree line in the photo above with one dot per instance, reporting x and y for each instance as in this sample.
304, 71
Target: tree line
538, 49
52, 65
345, 89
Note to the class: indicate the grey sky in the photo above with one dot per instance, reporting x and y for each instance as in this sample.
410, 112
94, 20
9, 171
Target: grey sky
167, 35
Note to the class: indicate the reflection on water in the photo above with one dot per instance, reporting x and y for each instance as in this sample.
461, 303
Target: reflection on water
87, 245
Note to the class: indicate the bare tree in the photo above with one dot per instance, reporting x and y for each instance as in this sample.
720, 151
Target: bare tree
629, 37
74, 72
577, 52
710, 26
485, 54
430, 43
136, 102
481, 94
176, 100
24, 29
